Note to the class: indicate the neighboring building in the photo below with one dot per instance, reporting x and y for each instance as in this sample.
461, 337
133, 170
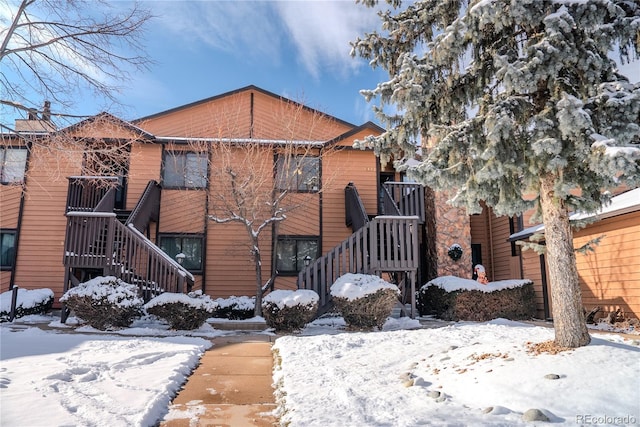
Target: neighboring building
609, 274
141, 213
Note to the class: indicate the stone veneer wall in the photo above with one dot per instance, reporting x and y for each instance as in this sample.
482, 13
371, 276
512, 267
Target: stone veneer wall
451, 226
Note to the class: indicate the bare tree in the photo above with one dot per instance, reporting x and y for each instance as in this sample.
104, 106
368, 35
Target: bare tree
257, 182
55, 50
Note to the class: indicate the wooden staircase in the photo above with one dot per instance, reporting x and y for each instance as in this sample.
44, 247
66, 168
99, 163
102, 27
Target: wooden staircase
98, 244
386, 244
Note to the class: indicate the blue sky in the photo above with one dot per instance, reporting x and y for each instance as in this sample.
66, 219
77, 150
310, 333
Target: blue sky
296, 49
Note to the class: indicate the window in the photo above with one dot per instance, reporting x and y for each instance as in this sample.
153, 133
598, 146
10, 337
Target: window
184, 170
190, 246
7, 249
298, 173
291, 252
13, 163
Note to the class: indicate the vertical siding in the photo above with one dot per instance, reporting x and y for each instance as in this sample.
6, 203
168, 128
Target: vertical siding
610, 276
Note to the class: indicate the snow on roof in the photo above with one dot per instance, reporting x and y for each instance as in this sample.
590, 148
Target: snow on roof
623, 203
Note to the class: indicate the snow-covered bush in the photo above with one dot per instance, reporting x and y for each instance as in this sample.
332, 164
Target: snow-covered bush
182, 311
364, 301
28, 301
286, 310
235, 308
104, 302
453, 298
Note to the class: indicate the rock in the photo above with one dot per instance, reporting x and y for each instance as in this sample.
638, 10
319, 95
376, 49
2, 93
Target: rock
552, 376
487, 410
407, 383
534, 415
434, 394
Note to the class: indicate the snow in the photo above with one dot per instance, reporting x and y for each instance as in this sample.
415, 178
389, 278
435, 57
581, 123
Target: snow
452, 283
26, 298
413, 372
353, 286
288, 298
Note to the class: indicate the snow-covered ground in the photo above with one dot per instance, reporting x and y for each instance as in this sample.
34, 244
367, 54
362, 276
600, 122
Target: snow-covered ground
411, 373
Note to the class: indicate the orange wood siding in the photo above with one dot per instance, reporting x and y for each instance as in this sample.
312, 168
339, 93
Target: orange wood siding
144, 165
230, 269
340, 168
225, 117
182, 211
39, 258
531, 270
5, 280
9, 205
304, 217
610, 276
502, 261
280, 120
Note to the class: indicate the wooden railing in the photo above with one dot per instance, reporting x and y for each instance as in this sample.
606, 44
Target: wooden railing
85, 193
404, 198
385, 244
98, 240
147, 209
355, 214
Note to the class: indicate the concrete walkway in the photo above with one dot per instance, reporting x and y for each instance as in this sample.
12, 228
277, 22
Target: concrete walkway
230, 387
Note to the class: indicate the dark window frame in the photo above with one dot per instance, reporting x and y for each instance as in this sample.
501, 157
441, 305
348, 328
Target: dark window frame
3, 154
296, 164
299, 261
181, 236
11, 258
171, 155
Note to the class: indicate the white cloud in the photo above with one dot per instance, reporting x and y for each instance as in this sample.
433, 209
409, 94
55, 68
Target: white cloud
318, 31
321, 32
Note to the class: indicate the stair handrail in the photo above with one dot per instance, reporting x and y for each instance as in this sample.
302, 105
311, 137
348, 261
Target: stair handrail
122, 251
362, 253
406, 198
355, 214
147, 208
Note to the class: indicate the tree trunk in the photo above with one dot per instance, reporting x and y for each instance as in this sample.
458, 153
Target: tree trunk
568, 318
257, 259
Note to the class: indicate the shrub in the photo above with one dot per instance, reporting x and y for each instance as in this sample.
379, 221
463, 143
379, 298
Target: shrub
104, 302
181, 311
28, 301
451, 298
364, 301
235, 308
289, 310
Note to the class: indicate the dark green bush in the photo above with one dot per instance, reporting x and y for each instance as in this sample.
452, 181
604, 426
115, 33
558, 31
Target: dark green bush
104, 302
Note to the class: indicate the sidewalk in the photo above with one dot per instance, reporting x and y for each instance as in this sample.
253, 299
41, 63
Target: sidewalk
230, 387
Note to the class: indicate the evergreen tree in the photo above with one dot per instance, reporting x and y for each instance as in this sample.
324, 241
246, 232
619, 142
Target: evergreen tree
513, 100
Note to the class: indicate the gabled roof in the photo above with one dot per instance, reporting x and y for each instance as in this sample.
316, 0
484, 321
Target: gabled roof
110, 118
234, 92
623, 203
355, 130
